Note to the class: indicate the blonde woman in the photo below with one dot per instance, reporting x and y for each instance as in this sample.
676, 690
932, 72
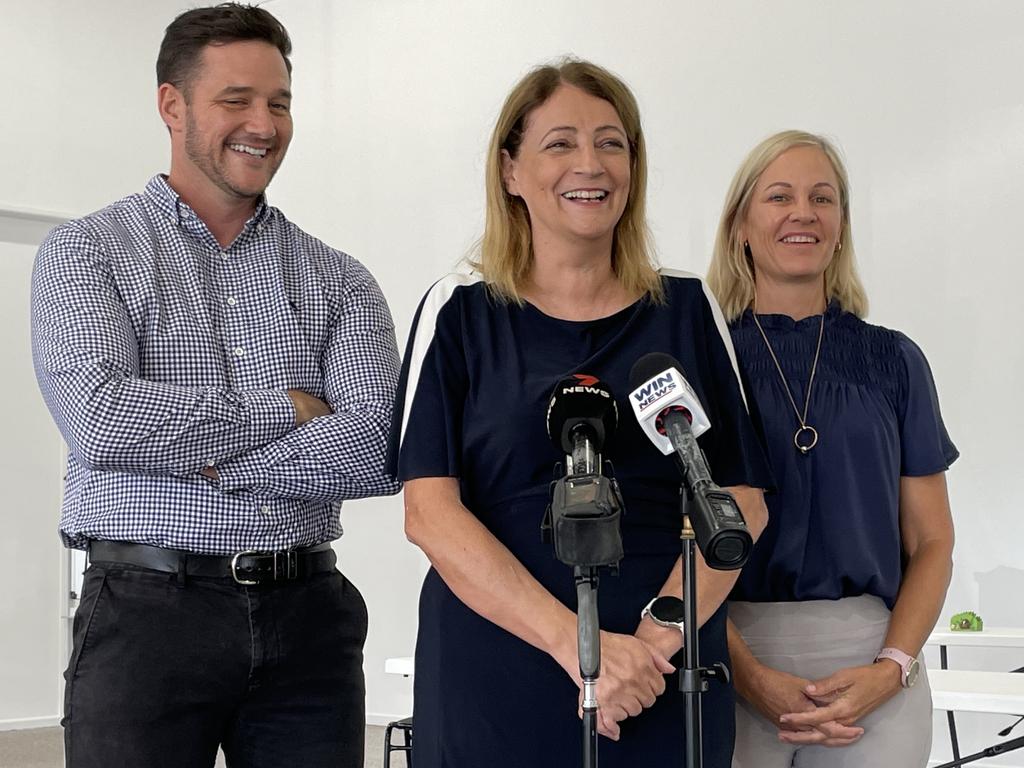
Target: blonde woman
830, 613
564, 284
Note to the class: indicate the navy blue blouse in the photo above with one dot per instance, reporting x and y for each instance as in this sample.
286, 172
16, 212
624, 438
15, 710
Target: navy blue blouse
478, 376
833, 529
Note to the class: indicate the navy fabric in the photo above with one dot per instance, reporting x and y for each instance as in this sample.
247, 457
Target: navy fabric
476, 382
833, 528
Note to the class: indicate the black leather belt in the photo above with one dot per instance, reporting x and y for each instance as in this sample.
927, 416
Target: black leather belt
250, 568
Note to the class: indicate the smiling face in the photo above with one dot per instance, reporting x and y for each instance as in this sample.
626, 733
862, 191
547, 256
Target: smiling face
232, 131
794, 219
572, 169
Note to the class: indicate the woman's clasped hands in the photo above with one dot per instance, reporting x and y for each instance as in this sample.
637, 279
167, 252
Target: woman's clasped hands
632, 677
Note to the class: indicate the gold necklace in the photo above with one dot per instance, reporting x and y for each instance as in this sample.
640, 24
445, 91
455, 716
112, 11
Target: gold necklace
812, 434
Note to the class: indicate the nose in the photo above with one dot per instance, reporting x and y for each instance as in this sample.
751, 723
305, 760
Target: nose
588, 161
803, 211
260, 121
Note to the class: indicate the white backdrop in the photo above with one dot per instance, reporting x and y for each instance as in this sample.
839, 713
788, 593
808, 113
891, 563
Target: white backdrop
394, 100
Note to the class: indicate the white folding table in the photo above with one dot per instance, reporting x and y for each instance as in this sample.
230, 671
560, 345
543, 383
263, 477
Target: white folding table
972, 691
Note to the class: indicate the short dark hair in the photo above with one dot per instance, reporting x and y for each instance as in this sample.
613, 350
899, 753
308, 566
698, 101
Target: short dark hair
186, 36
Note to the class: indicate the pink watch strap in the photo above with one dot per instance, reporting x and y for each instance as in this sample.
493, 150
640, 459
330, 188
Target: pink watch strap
901, 658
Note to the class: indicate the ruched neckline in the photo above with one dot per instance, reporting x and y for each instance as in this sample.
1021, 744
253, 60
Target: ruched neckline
782, 322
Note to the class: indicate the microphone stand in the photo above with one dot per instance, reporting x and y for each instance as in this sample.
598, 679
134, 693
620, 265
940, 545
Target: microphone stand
997, 749
588, 643
583, 523
693, 679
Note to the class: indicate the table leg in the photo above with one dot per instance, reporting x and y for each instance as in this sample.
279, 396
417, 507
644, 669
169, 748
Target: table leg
949, 713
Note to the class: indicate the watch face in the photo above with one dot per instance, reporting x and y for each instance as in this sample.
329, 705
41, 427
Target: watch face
912, 672
669, 609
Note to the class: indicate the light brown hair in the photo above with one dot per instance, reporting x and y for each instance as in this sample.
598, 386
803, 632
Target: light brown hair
505, 253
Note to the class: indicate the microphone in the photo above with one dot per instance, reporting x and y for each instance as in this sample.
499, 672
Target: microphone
671, 415
582, 415
585, 505
583, 519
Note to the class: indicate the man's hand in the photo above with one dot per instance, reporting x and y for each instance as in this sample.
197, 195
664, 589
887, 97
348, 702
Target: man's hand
307, 407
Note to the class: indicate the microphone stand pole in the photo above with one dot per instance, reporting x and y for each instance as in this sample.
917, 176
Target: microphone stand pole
582, 521
998, 749
588, 640
693, 679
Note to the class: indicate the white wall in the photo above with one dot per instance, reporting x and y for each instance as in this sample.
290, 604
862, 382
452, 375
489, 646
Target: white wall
80, 123
79, 130
30, 473
394, 103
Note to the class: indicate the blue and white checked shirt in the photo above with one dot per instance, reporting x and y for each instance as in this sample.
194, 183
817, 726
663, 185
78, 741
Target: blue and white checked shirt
158, 353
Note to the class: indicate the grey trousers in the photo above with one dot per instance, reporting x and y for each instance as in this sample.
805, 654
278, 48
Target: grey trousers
813, 639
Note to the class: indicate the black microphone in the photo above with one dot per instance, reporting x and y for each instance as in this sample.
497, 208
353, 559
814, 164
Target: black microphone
585, 505
671, 415
582, 416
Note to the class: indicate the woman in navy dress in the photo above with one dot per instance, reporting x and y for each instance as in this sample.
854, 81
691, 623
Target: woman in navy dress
842, 590
564, 284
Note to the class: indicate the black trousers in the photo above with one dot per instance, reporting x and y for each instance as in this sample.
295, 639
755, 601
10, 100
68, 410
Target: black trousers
162, 673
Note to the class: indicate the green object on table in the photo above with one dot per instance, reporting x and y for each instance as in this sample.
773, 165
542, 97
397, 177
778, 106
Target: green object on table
968, 621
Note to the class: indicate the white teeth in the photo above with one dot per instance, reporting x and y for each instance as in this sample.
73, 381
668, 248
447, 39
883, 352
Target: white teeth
585, 194
799, 239
248, 150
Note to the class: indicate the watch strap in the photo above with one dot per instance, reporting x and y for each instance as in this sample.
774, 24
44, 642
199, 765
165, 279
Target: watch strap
905, 661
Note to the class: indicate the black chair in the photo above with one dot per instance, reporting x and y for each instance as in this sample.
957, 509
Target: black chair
405, 726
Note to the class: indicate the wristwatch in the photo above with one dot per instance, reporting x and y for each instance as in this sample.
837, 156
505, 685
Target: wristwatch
909, 666
665, 611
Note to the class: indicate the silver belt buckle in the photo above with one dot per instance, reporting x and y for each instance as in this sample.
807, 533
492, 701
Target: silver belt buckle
234, 567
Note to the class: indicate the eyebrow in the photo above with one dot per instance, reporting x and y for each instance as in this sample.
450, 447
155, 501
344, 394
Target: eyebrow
787, 185
573, 129
233, 90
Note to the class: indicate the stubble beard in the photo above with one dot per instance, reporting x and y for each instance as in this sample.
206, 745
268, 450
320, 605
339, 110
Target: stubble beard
212, 166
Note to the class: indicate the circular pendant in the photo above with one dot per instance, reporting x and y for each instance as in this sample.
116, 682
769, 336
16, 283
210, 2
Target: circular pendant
807, 442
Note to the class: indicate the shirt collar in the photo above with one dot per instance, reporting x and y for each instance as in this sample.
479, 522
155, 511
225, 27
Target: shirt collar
169, 202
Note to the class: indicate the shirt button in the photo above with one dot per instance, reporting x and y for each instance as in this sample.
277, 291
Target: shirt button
224, 254
239, 352
211, 462
232, 301
265, 509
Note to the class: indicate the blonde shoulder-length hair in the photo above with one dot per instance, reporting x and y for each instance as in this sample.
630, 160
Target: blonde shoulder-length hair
504, 255
731, 274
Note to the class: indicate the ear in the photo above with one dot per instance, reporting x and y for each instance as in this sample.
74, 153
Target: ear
508, 173
170, 103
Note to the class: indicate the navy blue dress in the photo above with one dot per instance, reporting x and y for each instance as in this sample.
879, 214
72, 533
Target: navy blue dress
833, 527
475, 385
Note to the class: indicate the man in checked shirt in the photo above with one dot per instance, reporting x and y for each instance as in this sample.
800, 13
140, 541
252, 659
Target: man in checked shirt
223, 381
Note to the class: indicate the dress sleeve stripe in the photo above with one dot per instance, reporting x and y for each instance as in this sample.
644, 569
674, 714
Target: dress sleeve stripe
723, 328
423, 332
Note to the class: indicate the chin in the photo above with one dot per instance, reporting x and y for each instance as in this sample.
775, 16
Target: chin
247, 191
